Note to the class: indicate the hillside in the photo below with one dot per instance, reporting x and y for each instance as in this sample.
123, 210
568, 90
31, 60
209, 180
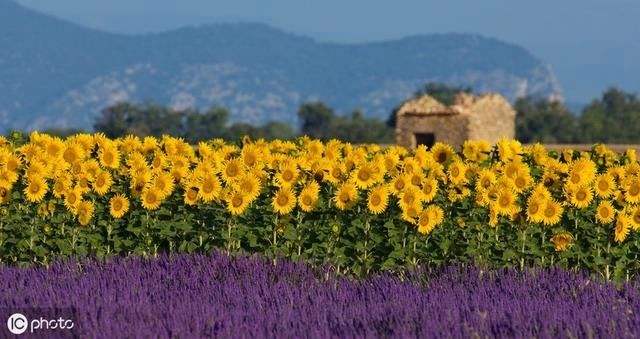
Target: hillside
55, 73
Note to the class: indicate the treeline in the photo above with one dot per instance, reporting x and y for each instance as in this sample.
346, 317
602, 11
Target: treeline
612, 118
193, 125
316, 120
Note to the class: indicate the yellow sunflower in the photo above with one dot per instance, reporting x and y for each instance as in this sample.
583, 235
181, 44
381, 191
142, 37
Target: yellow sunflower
5, 195
535, 209
605, 213
486, 178
561, 241
209, 188
7, 178
552, 213
411, 213
288, 174
36, 189
429, 189
335, 173
399, 183
505, 203
410, 195
118, 206
346, 196
163, 182
284, 201
632, 190
580, 196
191, 195
442, 153
457, 172
364, 176
72, 197
249, 185
634, 218
84, 212
102, 182
429, 218
522, 182
250, 155
605, 185
378, 199
622, 228
308, 198
232, 169
109, 156
151, 198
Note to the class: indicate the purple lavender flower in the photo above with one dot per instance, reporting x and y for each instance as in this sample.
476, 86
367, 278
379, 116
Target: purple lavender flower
197, 296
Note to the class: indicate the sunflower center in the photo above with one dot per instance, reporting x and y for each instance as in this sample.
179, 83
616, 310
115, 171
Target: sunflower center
603, 185
282, 200
192, 194
376, 200
575, 178
408, 198
207, 187
108, 157
549, 212
306, 200
363, 175
486, 183
236, 201
287, 175
455, 172
504, 201
581, 196
151, 198
232, 171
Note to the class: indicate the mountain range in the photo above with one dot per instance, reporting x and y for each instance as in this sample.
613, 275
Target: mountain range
55, 73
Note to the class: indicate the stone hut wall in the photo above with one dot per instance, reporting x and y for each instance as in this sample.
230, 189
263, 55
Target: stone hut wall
491, 118
449, 128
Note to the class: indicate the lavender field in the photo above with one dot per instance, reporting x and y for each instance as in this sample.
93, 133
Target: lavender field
195, 296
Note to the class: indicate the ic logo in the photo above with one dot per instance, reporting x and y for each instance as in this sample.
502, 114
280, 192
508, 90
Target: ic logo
17, 323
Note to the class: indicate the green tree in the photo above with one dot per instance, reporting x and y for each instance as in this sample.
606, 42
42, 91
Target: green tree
316, 119
614, 118
319, 121
540, 120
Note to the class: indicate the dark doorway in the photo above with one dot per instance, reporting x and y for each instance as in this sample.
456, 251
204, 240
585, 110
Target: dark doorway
427, 139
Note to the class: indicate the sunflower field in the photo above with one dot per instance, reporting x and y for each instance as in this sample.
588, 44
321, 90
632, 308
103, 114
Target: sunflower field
356, 208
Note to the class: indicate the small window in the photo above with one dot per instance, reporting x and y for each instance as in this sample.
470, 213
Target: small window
427, 139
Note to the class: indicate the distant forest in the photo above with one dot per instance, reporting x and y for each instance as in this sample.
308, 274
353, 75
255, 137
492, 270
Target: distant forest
612, 118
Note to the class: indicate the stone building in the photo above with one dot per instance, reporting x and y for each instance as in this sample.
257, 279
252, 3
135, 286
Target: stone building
425, 120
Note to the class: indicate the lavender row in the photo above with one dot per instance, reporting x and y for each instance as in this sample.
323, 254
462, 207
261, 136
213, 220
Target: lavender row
197, 295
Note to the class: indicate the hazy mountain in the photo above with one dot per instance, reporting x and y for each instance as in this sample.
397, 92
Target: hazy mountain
54, 73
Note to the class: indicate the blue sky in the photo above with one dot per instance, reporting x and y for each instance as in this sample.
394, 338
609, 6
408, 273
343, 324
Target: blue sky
591, 44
